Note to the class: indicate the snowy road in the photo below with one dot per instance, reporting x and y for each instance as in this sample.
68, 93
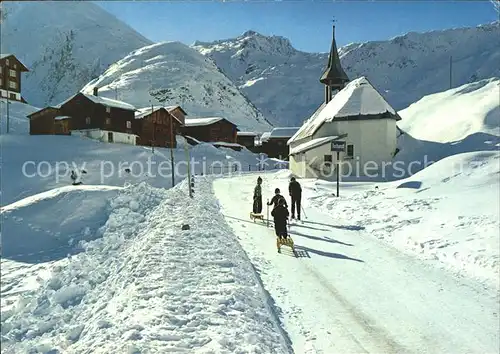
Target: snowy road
348, 292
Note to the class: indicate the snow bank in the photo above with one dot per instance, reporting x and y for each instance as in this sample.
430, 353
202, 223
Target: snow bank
148, 286
456, 121
447, 213
454, 114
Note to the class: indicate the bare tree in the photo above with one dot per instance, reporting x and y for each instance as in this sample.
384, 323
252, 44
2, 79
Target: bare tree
496, 5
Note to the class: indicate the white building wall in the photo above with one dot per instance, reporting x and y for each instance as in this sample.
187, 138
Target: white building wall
374, 143
311, 164
103, 135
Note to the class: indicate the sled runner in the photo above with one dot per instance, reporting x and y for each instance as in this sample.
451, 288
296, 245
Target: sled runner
288, 241
255, 216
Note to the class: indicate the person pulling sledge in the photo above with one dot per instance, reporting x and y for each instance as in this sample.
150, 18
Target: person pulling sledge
257, 197
295, 191
276, 199
280, 215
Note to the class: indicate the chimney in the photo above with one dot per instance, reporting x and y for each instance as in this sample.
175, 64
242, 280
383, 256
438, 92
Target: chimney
96, 89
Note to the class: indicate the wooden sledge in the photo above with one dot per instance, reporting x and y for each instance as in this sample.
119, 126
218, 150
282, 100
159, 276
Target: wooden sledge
285, 242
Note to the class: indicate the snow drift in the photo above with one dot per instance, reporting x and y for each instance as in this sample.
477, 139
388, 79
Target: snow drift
460, 120
147, 285
172, 73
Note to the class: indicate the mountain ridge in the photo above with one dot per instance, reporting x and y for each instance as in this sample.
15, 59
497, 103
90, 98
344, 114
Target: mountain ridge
403, 68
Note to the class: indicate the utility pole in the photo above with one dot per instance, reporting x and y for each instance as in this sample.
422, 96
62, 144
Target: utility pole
338, 172
172, 148
8, 117
188, 170
451, 64
154, 125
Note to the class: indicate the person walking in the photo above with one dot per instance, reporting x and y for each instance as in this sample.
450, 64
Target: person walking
295, 191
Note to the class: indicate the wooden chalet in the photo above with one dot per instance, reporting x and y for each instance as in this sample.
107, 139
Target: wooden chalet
157, 126
210, 129
10, 77
43, 121
247, 139
274, 143
85, 112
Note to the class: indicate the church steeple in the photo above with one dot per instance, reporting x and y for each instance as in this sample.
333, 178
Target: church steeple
334, 77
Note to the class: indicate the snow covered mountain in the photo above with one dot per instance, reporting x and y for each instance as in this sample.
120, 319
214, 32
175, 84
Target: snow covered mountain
173, 73
64, 44
284, 82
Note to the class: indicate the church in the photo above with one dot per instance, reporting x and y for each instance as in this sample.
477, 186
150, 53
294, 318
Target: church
357, 120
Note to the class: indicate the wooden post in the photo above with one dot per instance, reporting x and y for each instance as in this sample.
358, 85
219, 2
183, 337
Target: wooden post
451, 64
267, 204
8, 116
189, 171
172, 147
338, 171
153, 119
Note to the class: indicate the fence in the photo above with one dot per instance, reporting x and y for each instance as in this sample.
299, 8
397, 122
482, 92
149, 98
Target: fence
232, 168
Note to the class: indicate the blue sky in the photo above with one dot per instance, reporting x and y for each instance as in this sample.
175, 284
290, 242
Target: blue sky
306, 23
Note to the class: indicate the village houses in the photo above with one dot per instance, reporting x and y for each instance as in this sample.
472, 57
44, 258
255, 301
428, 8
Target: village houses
274, 143
114, 121
157, 126
357, 118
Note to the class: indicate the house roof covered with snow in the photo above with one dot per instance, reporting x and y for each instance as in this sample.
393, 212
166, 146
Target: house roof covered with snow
312, 144
265, 136
247, 134
198, 122
145, 111
358, 100
283, 132
171, 108
108, 102
5, 55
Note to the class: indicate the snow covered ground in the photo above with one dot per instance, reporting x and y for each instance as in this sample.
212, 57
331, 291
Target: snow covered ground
144, 285
350, 292
36, 163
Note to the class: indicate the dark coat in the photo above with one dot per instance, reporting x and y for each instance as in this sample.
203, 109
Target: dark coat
295, 189
275, 200
280, 215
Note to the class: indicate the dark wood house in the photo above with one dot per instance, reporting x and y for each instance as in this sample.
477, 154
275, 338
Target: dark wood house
274, 144
177, 112
247, 139
94, 112
43, 121
10, 77
84, 112
210, 129
156, 126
